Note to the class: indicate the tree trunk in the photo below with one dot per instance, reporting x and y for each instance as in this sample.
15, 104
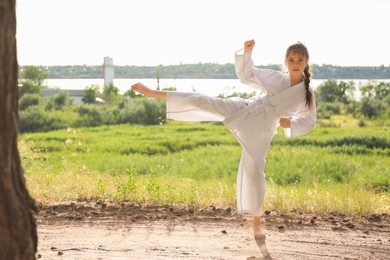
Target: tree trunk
18, 232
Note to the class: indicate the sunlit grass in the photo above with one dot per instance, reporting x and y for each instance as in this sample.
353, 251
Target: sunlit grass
48, 188
76, 184
342, 121
337, 198
333, 169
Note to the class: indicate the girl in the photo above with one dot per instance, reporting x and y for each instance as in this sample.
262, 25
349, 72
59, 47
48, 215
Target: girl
288, 102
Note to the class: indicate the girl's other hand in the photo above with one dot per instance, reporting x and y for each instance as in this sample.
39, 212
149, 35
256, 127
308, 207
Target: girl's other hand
285, 123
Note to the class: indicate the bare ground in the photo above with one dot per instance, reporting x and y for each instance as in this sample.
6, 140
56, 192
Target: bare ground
99, 230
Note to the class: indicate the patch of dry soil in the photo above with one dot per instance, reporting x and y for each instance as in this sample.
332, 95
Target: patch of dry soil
99, 230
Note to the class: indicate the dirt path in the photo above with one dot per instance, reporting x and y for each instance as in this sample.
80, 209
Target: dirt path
100, 231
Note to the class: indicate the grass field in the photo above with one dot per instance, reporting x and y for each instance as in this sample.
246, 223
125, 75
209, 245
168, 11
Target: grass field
337, 168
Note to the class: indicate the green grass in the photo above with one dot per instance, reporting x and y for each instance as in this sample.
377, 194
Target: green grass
341, 169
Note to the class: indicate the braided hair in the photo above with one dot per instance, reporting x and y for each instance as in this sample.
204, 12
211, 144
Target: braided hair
301, 48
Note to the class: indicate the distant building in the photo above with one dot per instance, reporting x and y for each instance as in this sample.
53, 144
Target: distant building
76, 95
108, 71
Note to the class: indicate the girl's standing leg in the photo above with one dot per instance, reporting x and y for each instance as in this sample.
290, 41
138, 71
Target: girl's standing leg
260, 237
257, 231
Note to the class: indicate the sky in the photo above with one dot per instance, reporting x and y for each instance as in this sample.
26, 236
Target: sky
172, 32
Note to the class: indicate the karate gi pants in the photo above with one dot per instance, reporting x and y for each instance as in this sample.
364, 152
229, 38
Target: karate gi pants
196, 107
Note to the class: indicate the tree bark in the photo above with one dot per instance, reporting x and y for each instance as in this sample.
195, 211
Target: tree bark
18, 232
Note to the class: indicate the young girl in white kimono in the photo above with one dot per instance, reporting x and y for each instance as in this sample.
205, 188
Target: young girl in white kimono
288, 102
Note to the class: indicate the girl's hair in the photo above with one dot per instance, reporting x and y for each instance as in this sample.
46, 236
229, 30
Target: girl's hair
301, 48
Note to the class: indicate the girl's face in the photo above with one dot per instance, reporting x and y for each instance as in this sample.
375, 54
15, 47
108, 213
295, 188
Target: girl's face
296, 63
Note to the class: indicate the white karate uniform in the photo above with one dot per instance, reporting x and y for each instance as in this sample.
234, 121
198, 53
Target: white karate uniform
252, 121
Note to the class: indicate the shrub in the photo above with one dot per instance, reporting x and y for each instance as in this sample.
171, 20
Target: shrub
370, 107
33, 119
91, 92
154, 112
111, 116
36, 119
333, 91
28, 87
90, 115
124, 102
362, 123
28, 100
327, 109
61, 100
144, 111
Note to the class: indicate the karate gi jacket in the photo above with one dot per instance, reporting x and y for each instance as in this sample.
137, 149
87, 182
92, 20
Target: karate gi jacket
253, 122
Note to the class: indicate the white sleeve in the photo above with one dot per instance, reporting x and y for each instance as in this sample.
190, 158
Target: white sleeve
245, 70
302, 123
264, 79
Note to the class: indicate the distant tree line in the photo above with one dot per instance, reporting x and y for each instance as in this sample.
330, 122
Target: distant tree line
207, 70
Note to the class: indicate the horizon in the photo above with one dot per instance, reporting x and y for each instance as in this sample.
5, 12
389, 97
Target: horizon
152, 32
199, 63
